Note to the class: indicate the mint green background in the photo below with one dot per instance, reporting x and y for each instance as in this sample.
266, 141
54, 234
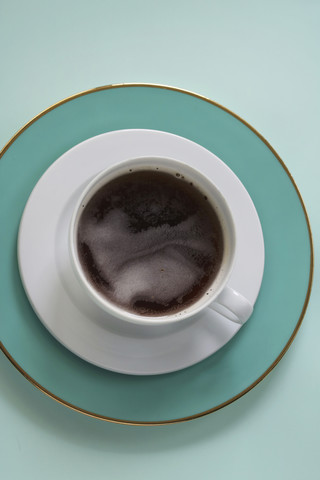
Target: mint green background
260, 61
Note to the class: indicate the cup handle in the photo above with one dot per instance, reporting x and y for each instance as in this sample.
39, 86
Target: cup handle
232, 305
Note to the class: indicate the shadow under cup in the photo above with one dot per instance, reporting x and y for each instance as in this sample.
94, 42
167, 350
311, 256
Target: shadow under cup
180, 173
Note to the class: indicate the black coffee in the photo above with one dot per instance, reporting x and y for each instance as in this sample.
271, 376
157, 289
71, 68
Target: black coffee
150, 242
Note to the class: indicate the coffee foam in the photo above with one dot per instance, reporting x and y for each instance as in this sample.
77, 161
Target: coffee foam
158, 265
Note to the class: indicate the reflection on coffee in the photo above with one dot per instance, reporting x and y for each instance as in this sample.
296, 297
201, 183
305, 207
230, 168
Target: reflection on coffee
150, 242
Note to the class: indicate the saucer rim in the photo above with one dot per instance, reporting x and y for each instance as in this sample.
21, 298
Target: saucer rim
308, 292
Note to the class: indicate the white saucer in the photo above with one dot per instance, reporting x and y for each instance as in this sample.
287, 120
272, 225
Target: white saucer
58, 299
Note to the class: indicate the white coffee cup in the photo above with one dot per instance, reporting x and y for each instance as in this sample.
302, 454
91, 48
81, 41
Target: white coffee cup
218, 296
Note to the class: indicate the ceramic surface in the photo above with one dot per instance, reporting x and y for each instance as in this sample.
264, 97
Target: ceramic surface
58, 298
283, 297
235, 306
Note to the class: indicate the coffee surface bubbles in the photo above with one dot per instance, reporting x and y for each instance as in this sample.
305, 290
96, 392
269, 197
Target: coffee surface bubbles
150, 242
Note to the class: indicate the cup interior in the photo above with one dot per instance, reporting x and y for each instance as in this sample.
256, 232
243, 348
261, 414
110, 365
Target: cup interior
218, 204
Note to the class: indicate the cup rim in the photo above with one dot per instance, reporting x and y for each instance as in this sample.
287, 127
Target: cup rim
88, 192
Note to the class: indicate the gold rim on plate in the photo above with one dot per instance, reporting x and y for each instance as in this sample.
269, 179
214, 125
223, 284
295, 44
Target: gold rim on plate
286, 347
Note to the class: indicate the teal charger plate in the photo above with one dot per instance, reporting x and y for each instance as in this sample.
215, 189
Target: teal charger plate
279, 310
